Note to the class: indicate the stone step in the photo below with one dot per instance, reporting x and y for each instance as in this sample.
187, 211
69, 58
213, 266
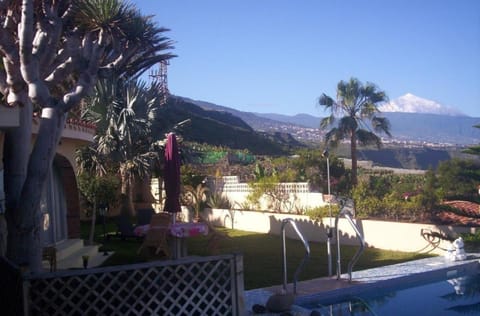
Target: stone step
68, 247
71, 257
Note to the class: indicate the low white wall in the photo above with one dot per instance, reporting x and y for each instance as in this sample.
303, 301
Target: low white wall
379, 234
296, 202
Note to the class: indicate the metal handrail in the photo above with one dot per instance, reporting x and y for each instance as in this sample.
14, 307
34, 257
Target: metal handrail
305, 258
346, 213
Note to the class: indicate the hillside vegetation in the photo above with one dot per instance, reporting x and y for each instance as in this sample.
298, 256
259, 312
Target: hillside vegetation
221, 129
402, 157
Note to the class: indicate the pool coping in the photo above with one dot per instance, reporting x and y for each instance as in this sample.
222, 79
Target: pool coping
401, 275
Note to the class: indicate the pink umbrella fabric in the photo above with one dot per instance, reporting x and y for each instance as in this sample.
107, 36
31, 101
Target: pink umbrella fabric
172, 175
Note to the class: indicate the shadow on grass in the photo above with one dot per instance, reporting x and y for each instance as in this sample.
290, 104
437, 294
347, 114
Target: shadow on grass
262, 255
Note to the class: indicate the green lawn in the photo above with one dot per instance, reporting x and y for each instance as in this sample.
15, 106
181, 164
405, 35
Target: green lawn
262, 255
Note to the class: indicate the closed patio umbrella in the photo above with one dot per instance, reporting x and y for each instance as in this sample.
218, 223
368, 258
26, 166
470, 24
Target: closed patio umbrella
172, 175
171, 178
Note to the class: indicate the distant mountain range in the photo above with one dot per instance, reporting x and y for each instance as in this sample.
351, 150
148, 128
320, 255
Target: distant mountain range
411, 119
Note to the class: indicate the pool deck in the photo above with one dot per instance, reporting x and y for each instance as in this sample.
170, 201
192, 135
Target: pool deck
402, 274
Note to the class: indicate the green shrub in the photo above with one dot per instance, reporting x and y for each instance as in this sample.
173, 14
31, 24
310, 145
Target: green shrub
317, 213
217, 200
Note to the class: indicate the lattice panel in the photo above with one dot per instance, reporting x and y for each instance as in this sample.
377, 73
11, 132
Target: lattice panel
193, 288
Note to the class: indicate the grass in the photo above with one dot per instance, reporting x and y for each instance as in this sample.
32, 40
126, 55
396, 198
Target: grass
262, 255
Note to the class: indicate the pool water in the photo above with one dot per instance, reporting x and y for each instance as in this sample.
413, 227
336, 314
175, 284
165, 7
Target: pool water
455, 296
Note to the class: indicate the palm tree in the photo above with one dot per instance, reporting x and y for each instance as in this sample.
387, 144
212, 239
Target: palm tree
195, 197
355, 104
123, 139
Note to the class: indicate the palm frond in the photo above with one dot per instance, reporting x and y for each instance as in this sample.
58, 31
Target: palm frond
365, 137
326, 101
333, 137
327, 121
381, 125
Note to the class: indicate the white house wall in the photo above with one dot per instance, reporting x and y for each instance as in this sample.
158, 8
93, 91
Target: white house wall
378, 234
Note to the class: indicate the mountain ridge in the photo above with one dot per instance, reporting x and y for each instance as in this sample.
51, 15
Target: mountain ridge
405, 126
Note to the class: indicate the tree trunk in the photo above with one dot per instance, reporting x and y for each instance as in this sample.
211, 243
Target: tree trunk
16, 151
94, 219
24, 242
353, 154
126, 189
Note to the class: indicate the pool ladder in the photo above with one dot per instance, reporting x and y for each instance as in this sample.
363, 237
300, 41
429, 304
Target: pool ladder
305, 258
348, 215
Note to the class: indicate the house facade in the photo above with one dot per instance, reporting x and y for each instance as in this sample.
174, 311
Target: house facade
60, 202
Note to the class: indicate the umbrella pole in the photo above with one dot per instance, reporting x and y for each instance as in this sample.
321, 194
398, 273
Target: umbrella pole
175, 241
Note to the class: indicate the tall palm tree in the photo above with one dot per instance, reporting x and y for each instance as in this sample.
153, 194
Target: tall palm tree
123, 139
356, 105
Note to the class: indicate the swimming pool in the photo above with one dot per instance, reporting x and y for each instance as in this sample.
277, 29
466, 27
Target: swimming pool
457, 293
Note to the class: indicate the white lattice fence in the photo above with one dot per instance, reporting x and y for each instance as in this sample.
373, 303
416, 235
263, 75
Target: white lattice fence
191, 286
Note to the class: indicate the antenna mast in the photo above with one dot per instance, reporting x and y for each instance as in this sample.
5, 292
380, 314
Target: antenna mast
161, 76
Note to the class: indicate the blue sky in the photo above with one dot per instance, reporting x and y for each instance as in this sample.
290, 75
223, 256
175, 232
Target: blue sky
279, 56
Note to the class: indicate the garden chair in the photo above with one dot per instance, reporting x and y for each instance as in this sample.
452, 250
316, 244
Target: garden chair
158, 233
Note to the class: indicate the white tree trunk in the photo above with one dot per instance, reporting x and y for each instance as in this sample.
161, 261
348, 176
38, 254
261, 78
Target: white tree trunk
24, 242
16, 151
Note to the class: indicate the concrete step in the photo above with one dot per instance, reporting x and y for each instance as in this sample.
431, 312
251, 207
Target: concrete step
68, 247
69, 255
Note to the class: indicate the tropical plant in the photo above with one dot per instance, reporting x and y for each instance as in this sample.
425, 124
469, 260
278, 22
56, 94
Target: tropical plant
355, 104
124, 140
53, 52
217, 200
195, 197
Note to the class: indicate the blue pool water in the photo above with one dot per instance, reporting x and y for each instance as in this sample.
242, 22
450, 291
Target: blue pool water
450, 296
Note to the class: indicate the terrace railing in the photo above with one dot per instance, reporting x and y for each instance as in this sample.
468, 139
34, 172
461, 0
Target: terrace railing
345, 212
188, 286
284, 254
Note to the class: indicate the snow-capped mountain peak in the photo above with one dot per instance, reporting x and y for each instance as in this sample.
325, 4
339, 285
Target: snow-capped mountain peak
410, 103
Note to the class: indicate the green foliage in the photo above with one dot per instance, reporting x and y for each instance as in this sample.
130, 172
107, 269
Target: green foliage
474, 150
195, 197
414, 197
217, 200
458, 179
259, 171
98, 190
472, 239
391, 196
264, 186
190, 176
317, 213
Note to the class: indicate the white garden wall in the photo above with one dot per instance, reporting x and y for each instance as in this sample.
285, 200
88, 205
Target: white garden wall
378, 234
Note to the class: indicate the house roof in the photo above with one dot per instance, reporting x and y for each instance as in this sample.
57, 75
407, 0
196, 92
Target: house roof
470, 209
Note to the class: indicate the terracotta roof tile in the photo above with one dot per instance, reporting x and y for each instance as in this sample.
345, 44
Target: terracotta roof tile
469, 208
